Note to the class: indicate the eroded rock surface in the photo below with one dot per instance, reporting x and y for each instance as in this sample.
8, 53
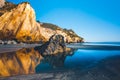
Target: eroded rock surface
19, 22
2, 3
55, 45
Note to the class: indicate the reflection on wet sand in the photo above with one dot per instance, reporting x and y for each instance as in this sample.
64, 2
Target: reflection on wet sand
22, 61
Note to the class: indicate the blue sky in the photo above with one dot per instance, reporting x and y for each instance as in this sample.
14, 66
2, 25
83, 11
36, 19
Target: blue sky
94, 20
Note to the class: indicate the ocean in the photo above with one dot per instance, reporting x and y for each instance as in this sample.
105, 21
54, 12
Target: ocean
85, 56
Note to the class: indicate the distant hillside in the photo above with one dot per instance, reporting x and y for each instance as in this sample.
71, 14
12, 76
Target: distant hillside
69, 34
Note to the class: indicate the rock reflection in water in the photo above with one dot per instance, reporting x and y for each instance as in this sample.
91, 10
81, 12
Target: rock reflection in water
25, 61
22, 61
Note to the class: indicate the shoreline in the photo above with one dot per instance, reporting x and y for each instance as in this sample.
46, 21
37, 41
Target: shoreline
15, 47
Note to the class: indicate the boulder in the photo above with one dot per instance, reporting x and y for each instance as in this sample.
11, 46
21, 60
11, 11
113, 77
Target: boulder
1, 42
55, 45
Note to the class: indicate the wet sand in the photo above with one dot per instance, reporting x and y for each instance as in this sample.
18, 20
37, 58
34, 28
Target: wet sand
12, 47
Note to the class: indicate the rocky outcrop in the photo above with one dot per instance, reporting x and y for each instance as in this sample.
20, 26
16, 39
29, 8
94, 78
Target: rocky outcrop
7, 6
19, 22
55, 45
54, 51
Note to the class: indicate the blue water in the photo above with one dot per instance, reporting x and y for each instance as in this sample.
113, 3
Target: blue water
101, 43
83, 58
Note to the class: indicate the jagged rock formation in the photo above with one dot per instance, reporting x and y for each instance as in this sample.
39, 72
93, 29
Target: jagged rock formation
7, 7
19, 22
55, 45
55, 51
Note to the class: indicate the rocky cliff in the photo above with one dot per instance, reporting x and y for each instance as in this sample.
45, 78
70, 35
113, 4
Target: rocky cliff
19, 22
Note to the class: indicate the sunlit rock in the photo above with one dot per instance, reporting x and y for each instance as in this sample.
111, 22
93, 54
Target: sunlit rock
19, 22
2, 3
48, 30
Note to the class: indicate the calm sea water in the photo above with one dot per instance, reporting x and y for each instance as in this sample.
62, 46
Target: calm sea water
88, 61
83, 57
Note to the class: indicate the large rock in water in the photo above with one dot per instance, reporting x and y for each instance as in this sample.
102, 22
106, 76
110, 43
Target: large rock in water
19, 22
55, 45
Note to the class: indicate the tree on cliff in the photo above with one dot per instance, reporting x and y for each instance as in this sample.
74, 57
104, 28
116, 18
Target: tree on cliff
2, 3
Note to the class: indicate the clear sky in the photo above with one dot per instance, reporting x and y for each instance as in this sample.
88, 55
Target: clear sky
94, 20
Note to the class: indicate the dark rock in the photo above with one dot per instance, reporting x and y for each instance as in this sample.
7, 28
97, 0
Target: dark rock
55, 45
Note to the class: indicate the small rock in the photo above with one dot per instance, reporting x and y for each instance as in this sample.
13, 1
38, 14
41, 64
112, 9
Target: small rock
1, 42
11, 42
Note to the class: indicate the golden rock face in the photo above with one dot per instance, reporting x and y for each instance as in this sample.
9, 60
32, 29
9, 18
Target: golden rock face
19, 22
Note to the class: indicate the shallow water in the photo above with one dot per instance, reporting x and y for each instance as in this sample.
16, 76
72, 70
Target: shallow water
104, 62
88, 59
80, 59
